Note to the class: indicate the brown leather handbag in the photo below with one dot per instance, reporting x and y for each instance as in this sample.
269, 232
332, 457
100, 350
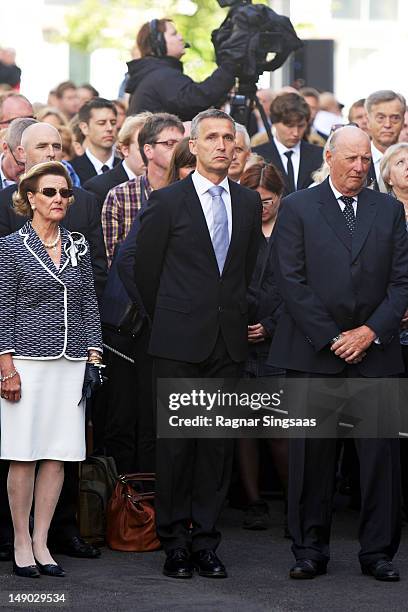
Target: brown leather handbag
131, 524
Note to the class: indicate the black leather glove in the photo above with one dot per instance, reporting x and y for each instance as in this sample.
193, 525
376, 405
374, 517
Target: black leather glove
93, 379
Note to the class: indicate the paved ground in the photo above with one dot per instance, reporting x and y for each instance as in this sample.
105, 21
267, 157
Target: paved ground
258, 563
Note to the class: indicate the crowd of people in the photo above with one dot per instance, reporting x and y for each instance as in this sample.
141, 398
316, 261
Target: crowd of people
237, 256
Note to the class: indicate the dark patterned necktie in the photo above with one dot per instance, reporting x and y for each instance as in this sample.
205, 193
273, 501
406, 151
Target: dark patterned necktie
289, 171
348, 212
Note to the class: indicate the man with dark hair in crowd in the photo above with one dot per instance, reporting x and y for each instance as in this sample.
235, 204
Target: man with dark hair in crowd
97, 121
13, 106
385, 111
156, 81
131, 166
196, 299
41, 142
86, 93
156, 140
358, 114
12, 163
66, 96
292, 156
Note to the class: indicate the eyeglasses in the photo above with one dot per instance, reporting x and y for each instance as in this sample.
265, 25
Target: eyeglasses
268, 202
50, 192
19, 163
169, 144
8, 121
337, 126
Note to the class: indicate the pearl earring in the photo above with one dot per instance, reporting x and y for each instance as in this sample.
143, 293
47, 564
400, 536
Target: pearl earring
33, 207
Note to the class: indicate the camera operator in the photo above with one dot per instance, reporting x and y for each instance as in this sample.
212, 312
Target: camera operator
156, 81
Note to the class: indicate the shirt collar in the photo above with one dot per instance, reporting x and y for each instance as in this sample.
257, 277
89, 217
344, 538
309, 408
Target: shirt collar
376, 154
97, 164
203, 184
337, 193
282, 149
128, 171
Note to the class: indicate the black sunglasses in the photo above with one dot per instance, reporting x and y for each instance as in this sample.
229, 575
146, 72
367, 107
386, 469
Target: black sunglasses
50, 192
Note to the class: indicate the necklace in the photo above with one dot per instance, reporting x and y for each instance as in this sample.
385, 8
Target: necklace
53, 244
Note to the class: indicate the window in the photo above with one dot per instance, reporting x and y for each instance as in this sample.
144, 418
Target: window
346, 9
384, 9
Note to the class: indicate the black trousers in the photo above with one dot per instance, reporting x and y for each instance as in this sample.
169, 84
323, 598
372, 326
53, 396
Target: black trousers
64, 523
193, 474
124, 415
312, 465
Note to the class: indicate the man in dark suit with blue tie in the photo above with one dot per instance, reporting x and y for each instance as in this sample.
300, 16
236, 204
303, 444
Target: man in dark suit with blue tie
195, 252
341, 255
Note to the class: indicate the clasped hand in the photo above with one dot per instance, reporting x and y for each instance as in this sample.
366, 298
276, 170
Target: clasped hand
352, 344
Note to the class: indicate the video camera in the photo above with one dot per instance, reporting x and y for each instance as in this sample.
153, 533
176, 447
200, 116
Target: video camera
249, 35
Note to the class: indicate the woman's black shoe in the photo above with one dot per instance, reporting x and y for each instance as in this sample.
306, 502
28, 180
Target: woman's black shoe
51, 569
28, 571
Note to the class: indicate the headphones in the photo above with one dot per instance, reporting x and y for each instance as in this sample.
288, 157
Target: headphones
157, 40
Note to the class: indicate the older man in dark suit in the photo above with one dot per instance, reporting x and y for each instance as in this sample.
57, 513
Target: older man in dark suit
341, 254
195, 252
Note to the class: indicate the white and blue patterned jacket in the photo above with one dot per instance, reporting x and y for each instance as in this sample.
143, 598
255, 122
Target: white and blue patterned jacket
45, 312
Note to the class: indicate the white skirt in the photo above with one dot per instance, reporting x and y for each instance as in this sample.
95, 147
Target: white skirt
47, 422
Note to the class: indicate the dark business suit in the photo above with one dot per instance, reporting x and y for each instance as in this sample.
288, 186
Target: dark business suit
101, 184
199, 329
85, 168
332, 282
82, 216
311, 158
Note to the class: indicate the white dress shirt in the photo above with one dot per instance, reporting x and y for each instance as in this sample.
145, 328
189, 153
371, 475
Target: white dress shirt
376, 159
295, 158
338, 194
202, 185
97, 164
129, 172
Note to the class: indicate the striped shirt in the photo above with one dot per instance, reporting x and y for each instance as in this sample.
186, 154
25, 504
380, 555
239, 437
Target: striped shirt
120, 209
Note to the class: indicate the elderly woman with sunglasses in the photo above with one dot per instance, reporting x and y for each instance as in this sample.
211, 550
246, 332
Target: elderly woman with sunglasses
49, 329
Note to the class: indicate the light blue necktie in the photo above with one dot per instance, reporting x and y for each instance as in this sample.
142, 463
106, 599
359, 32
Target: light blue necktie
220, 238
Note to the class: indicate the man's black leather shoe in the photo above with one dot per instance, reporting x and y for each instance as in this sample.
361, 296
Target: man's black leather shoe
6, 552
307, 568
76, 547
208, 564
382, 569
178, 564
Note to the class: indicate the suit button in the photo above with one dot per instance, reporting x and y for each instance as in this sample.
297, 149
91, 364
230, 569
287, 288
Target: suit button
62, 327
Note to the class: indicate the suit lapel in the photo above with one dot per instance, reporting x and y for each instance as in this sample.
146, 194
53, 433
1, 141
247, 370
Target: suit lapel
36, 248
65, 242
304, 171
366, 212
236, 210
330, 209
